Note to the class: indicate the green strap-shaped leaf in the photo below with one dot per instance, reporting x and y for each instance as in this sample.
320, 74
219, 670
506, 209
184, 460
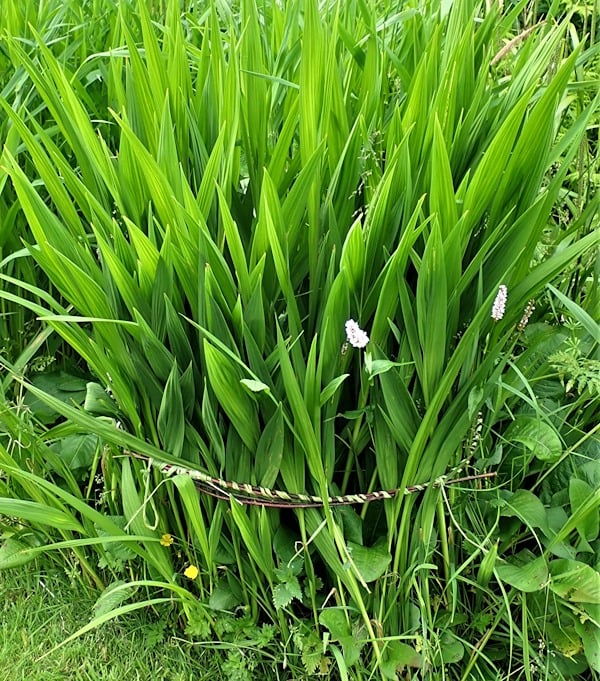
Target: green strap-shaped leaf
171, 418
241, 409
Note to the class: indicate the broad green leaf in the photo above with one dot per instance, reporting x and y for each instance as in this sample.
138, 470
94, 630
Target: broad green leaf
442, 199
223, 598
397, 656
590, 636
452, 649
211, 426
539, 437
386, 453
77, 451
588, 520
564, 638
302, 422
352, 524
526, 506
484, 183
197, 523
575, 581
136, 513
236, 247
335, 620
158, 356
371, 562
336, 311
431, 307
401, 410
261, 555
14, 553
530, 577
379, 366
97, 401
69, 389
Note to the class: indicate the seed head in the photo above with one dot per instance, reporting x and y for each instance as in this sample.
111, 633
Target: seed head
526, 315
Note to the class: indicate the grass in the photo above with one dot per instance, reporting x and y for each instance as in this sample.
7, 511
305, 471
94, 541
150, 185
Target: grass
40, 608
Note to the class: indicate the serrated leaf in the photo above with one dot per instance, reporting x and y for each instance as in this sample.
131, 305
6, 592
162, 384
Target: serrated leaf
311, 659
284, 594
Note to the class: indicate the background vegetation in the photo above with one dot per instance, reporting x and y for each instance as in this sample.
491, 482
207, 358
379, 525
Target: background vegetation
192, 204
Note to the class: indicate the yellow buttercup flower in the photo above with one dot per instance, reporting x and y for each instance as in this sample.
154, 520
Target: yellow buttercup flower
191, 572
166, 540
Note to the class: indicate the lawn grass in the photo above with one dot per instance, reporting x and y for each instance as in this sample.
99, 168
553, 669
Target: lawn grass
40, 608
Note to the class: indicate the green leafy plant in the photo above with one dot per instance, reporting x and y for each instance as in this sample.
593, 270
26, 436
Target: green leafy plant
213, 196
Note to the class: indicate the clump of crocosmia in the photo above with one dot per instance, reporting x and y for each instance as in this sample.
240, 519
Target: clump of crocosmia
355, 335
499, 303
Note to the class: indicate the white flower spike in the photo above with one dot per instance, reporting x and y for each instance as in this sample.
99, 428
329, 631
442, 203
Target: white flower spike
355, 335
500, 303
